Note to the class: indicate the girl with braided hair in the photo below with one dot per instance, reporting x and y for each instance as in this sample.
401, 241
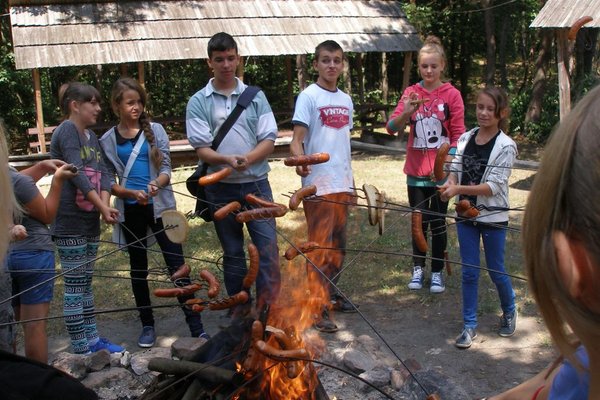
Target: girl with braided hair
138, 161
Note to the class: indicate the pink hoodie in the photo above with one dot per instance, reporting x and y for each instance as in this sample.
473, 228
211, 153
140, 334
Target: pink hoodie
439, 120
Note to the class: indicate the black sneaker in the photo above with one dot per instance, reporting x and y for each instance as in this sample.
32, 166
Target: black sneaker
465, 339
508, 324
324, 324
342, 305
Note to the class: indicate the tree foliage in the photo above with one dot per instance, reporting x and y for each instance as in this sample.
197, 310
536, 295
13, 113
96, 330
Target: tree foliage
458, 23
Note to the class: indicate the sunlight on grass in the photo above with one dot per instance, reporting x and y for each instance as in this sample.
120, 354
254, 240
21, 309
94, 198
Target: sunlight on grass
376, 268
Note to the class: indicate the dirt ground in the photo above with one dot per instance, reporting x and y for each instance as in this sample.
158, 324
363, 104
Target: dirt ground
414, 324
419, 326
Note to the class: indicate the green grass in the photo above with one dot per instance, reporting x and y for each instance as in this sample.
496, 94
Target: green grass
369, 276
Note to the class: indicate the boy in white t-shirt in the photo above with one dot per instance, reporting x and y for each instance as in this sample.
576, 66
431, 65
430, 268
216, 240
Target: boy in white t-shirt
322, 124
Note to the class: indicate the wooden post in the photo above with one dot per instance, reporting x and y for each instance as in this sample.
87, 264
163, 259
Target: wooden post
384, 78
346, 77
290, 84
361, 77
240, 69
301, 70
39, 112
564, 84
141, 74
406, 70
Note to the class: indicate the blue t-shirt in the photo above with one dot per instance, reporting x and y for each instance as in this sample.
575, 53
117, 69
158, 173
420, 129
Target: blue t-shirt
571, 383
139, 175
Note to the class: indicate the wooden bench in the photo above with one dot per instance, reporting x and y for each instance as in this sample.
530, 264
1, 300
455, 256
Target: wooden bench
35, 145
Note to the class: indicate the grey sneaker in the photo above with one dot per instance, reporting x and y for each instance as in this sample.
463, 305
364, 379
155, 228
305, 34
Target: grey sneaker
465, 339
508, 324
147, 337
437, 283
416, 282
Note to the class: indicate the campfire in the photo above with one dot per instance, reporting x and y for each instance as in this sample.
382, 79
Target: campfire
262, 355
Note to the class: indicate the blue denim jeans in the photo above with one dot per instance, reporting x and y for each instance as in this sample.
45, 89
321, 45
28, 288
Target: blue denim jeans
231, 235
494, 238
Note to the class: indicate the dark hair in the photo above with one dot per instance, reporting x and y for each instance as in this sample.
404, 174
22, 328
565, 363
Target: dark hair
501, 100
221, 42
75, 91
120, 87
328, 45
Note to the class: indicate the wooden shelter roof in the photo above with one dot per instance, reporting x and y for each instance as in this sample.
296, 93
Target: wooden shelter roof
563, 13
57, 34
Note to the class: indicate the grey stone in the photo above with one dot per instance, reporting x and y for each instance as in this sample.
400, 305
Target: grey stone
99, 360
358, 361
379, 378
183, 347
140, 360
75, 365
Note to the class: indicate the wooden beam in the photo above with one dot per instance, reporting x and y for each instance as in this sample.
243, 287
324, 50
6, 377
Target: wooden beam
564, 83
240, 69
290, 83
39, 112
141, 74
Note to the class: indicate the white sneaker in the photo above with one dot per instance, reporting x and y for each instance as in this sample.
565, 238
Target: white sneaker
416, 282
437, 283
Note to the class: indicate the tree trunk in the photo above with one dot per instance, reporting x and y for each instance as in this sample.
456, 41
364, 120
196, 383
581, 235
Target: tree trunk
505, 27
490, 40
301, 71
346, 77
534, 110
585, 48
384, 78
361, 77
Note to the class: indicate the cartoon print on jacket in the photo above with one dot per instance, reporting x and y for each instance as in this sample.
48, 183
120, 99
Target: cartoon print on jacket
429, 132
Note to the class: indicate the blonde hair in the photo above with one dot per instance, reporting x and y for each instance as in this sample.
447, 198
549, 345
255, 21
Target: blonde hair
7, 197
120, 87
433, 45
568, 175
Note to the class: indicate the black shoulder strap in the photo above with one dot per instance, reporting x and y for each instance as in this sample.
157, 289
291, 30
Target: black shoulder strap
243, 102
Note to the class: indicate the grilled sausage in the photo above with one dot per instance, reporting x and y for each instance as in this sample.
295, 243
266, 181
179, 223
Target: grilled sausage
260, 213
227, 209
228, 302
465, 209
214, 177
300, 194
572, 35
260, 202
306, 159
213, 283
254, 265
182, 272
417, 231
177, 291
440, 160
281, 355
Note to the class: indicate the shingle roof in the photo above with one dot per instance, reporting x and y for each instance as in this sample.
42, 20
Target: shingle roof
52, 35
563, 13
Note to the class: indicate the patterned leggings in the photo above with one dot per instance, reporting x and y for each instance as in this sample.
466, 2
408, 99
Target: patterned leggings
77, 257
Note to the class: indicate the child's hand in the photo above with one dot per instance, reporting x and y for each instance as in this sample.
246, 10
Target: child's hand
142, 197
448, 190
65, 171
153, 188
17, 232
110, 215
52, 165
303, 170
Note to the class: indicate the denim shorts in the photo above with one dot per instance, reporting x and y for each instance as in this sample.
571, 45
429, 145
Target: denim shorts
28, 269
